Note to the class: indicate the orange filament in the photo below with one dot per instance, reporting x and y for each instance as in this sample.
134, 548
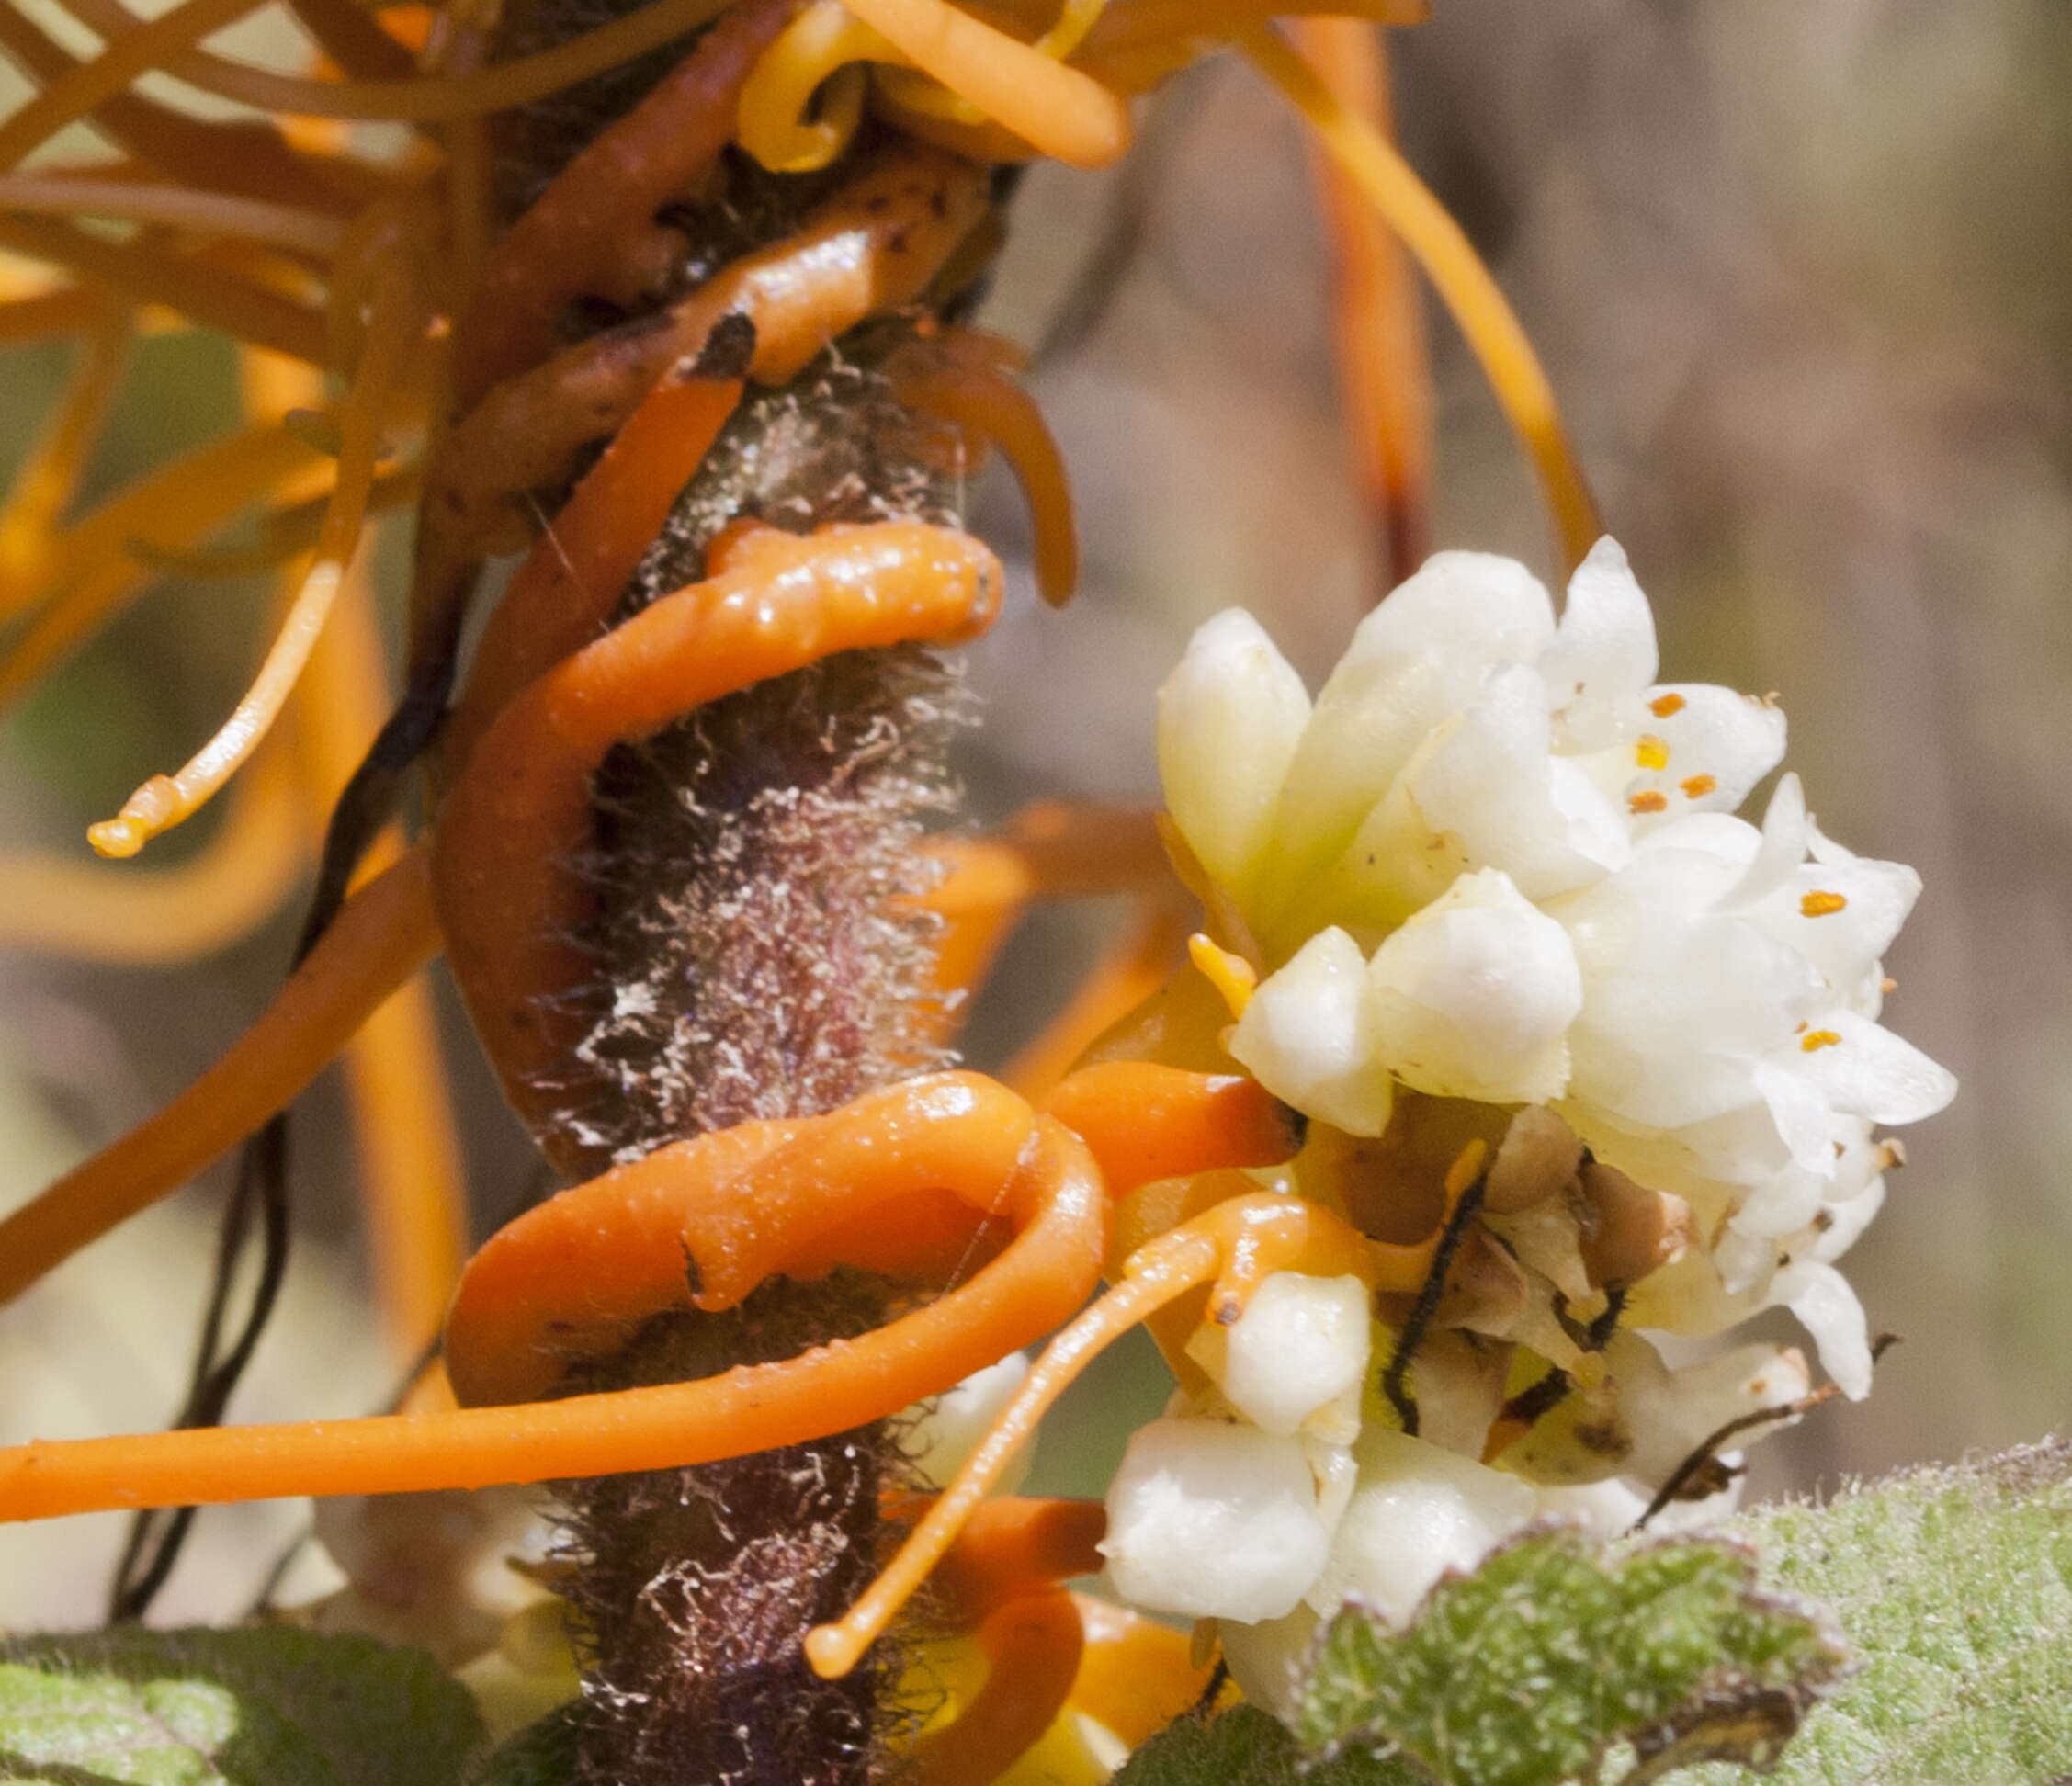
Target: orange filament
563, 594
570, 236
875, 245
412, 1179
433, 98
1137, 1675
1450, 262
165, 801
1055, 1200
1146, 1121
1014, 1545
44, 485
203, 292
385, 933
76, 92
507, 900
216, 156
983, 403
1234, 1246
1132, 971
214, 213
1384, 370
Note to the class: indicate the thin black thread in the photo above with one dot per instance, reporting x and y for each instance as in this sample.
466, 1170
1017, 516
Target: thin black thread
1427, 1305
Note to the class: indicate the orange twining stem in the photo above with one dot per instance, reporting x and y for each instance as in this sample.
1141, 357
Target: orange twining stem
1000, 1576
701, 1223
874, 246
1137, 1675
1066, 114
1013, 1543
980, 401
1051, 849
1377, 320
1055, 1200
1146, 1121
200, 291
607, 196
508, 900
81, 88
1033, 1646
1234, 1246
563, 594
215, 156
1132, 971
385, 933
52, 904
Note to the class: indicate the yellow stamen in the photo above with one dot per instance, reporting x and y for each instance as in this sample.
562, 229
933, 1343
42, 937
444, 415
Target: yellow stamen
1647, 800
1234, 978
1820, 905
1696, 787
1818, 1039
1651, 753
1662, 706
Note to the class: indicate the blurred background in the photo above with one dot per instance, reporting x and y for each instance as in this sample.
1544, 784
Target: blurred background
1802, 276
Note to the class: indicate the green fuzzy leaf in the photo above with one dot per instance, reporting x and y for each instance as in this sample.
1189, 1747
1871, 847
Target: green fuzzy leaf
1954, 1585
1526, 1671
1247, 1747
542, 1754
229, 1708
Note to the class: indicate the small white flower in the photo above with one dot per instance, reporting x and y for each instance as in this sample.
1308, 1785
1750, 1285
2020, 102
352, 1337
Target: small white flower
1495, 868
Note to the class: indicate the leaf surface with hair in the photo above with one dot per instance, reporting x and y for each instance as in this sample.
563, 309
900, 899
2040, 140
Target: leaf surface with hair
230, 1708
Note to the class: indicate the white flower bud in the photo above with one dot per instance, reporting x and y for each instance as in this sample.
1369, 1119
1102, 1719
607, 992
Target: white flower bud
1305, 1037
1229, 715
1298, 1356
1211, 1520
1472, 997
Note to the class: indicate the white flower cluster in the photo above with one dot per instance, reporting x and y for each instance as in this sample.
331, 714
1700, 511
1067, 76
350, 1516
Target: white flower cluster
1493, 887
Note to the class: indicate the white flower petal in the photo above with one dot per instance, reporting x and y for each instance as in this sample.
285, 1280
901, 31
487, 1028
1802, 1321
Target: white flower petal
1210, 1521
1868, 1071
1715, 746
1417, 1512
1415, 660
1603, 649
1471, 997
1305, 1037
1491, 782
1827, 1309
1229, 718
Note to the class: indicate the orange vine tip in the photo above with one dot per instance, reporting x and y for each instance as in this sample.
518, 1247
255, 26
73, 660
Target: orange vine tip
152, 809
1231, 975
833, 1650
